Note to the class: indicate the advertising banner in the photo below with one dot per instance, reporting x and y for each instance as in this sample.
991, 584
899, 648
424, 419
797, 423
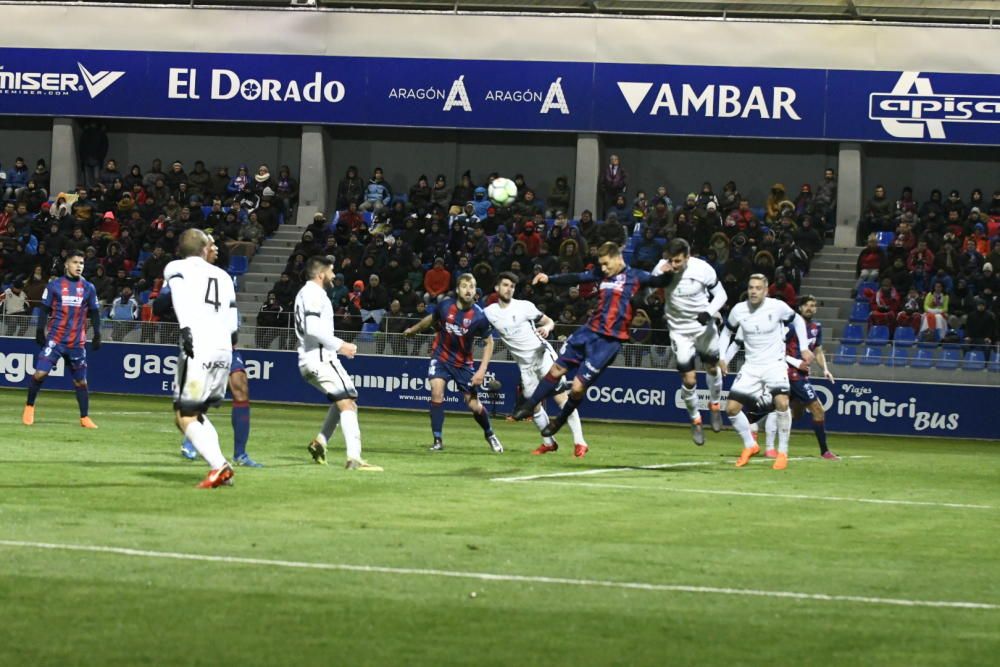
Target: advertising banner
622, 394
785, 103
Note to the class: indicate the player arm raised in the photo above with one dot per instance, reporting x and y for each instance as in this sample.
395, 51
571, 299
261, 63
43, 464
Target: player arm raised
568, 278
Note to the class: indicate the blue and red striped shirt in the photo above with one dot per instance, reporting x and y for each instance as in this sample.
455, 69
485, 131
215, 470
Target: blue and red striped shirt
457, 330
815, 332
613, 315
69, 303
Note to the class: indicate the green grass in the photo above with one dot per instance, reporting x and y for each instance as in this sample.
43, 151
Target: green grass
126, 486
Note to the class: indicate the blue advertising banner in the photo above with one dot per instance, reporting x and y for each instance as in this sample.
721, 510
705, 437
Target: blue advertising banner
509, 95
623, 394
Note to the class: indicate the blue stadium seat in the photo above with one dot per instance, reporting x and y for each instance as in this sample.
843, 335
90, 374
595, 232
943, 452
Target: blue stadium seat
924, 358
878, 335
975, 360
993, 365
367, 216
238, 265
904, 337
949, 359
854, 334
368, 330
860, 311
900, 357
933, 343
871, 356
847, 355
885, 239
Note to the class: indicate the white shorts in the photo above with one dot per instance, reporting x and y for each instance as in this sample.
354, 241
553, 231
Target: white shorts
754, 381
201, 381
536, 370
330, 378
704, 343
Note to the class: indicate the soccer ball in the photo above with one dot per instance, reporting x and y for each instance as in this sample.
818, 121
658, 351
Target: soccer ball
502, 191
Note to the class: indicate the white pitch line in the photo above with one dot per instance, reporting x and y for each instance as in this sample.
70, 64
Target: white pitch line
515, 578
657, 466
760, 494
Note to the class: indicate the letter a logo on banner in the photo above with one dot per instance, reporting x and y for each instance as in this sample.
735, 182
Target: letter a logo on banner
911, 86
99, 82
555, 99
457, 96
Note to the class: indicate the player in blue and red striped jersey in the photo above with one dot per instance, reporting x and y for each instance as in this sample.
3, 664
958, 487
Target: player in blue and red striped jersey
802, 392
66, 303
594, 346
459, 321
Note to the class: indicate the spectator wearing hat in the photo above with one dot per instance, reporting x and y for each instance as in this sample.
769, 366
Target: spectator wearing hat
481, 203
419, 197
987, 284
463, 192
175, 176
955, 203
871, 261
374, 300
531, 239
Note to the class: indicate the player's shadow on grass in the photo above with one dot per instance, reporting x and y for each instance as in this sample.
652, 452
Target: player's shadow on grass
71, 485
189, 478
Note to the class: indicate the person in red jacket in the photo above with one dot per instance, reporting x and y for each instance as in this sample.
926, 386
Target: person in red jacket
437, 281
885, 305
871, 260
531, 239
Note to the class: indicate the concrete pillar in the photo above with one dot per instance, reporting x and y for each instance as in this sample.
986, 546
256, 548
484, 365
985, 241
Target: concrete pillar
312, 175
588, 171
849, 194
63, 163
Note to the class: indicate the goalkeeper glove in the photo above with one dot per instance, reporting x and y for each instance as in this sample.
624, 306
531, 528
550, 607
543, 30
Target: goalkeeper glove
95, 344
187, 342
704, 318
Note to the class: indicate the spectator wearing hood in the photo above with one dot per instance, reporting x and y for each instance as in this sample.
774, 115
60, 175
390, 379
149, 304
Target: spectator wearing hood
420, 195
480, 202
558, 199
463, 192
351, 188
772, 209
437, 280
440, 195
109, 227
531, 239
286, 190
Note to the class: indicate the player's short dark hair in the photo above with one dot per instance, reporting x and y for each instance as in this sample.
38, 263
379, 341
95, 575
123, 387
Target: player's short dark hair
508, 275
678, 247
758, 276
806, 298
74, 253
609, 249
316, 264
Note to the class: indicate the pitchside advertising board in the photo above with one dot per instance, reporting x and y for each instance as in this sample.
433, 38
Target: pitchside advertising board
513, 95
622, 394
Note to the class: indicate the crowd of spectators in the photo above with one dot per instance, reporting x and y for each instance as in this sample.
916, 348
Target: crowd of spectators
127, 224
931, 266
397, 254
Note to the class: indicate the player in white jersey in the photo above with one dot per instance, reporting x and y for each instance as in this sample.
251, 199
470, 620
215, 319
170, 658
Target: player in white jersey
692, 302
319, 366
523, 329
205, 302
762, 321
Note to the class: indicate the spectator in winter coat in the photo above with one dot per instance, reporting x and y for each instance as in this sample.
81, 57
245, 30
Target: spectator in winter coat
199, 180
378, 194
350, 189
885, 305
558, 199
480, 202
437, 280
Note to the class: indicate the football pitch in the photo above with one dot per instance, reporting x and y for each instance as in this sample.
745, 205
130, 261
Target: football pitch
649, 551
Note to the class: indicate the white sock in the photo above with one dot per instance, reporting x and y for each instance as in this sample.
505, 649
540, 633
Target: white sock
742, 426
329, 425
541, 419
754, 427
352, 433
204, 438
690, 397
714, 386
770, 429
784, 420
576, 428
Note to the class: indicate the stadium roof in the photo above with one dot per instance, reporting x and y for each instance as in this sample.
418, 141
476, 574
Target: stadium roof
927, 11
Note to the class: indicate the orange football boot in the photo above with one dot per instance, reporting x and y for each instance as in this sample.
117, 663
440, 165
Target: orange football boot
28, 416
217, 478
87, 422
781, 462
746, 455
